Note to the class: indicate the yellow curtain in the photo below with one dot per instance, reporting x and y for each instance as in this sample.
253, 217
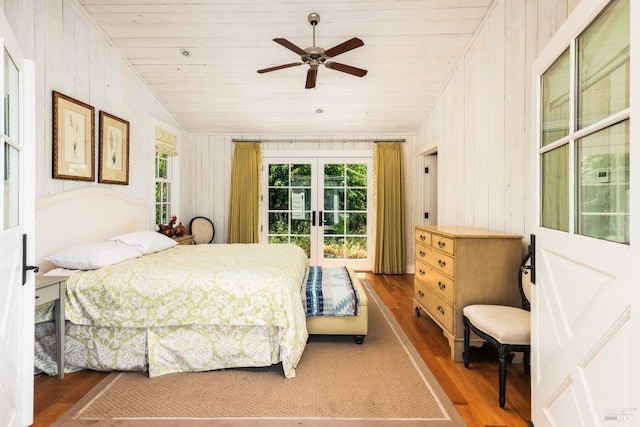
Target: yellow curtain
245, 193
389, 252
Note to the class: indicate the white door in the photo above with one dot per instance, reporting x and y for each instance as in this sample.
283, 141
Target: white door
322, 204
17, 124
581, 310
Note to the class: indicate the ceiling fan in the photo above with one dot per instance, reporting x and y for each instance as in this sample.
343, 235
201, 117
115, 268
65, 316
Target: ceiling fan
314, 56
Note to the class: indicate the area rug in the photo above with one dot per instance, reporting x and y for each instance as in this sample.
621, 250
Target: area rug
338, 383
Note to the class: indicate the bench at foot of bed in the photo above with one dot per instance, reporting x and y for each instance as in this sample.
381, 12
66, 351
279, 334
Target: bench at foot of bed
344, 325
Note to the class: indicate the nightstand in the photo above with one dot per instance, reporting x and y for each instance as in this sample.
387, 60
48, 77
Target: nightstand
187, 239
53, 288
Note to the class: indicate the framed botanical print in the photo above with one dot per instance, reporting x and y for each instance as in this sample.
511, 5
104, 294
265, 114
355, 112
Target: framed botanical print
73, 139
114, 150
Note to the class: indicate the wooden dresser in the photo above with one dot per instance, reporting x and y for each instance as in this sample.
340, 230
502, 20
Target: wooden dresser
458, 266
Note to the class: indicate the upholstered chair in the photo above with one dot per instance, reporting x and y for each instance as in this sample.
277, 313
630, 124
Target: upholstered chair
202, 230
508, 329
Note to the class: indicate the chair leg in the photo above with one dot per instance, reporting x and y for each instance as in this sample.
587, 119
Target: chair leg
527, 361
466, 342
502, 356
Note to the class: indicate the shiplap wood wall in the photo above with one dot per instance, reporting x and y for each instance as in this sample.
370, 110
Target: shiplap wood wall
482, 121
73, 57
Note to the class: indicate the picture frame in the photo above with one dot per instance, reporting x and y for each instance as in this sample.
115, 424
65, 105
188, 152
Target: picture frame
73, 139
114, 150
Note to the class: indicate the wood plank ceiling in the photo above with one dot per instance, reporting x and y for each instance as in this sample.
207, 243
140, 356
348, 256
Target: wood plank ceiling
411, 47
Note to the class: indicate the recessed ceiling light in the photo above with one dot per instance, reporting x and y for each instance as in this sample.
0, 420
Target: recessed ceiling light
319, 111
185, 52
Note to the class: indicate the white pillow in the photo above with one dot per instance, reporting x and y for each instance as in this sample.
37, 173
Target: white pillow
90, 256
146, 242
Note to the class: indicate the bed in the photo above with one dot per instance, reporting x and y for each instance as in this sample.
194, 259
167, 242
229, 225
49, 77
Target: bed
185, 308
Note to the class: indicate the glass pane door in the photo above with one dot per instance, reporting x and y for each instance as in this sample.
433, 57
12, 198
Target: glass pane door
345, 215
290, 211
321, 205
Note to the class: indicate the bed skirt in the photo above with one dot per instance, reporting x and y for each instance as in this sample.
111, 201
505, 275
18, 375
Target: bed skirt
159, 350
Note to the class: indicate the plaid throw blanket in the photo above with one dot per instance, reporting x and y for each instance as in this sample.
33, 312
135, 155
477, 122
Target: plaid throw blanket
329, 292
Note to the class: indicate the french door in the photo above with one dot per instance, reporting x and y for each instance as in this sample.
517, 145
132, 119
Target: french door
17, 125
582, 331
323, 205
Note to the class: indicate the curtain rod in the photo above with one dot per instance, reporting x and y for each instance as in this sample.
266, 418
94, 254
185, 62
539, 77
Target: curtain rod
319, 140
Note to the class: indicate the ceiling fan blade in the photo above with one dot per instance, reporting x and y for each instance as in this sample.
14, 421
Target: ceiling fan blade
280, 67
286, 43
346, 68
312, 75
344, 47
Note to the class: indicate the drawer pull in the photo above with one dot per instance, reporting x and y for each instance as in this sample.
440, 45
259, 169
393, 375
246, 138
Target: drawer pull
422, 237
422, 272
422, 254
441, 285
441, 263
440, 309
441, 244
420, 294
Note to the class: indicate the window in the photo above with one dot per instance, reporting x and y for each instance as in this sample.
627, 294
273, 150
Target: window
584, 144
166, 152
10, 137
163, 188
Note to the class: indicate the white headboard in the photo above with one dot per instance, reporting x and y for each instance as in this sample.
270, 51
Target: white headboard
84, 215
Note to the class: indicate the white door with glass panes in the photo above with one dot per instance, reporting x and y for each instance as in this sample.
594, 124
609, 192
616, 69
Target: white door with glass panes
17, 125
584, 252
321, 204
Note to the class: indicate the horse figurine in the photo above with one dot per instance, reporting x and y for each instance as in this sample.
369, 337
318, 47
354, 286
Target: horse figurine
167, 230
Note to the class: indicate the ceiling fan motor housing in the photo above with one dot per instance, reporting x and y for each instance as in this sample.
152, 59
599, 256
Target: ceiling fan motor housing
313, 18
314, 52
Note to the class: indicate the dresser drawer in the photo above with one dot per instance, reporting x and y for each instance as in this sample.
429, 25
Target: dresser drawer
421, 253
47, 294
443, 243
439, 284
420, 293
440, 261
422, 271
423, 237
439, 310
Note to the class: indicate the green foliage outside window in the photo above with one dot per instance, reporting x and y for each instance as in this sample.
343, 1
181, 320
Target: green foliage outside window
344, 208
163, 189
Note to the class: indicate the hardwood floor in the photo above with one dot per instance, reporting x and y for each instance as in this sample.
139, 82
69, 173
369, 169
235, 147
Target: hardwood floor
473, 391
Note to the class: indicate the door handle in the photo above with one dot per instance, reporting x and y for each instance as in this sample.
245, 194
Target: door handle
313, 218
320, 219
25, 267
532, 251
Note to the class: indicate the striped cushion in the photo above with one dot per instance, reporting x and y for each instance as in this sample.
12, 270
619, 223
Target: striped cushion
330, 292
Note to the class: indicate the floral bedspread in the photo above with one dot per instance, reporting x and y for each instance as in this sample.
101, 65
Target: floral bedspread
252, 287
